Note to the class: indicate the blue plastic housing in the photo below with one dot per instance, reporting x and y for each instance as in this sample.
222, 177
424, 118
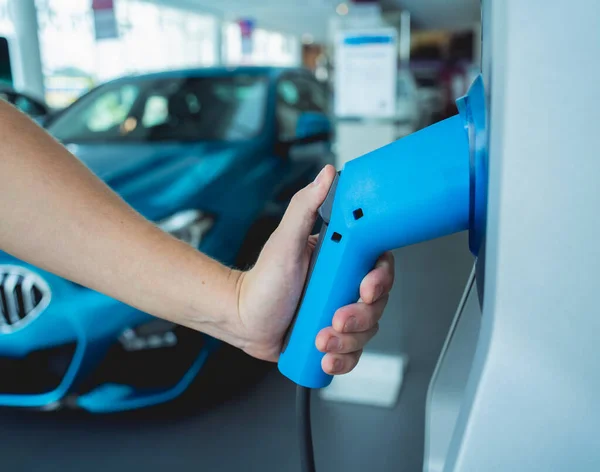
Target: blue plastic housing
429, 184
409, 191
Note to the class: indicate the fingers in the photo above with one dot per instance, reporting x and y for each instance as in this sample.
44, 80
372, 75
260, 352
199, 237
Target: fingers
359, 317
343, 351
354, 325
337, 364
301, 214
379, 281
331, 341
313, 239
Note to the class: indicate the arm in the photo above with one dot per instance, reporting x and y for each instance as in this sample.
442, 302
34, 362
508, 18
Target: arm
58, 216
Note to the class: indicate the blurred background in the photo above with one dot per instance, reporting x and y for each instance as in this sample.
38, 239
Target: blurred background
207, 117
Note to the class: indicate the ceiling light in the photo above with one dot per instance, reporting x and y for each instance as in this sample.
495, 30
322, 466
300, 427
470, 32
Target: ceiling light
307, 38
342, 9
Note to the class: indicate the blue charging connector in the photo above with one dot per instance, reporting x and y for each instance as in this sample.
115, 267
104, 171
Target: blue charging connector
424, 186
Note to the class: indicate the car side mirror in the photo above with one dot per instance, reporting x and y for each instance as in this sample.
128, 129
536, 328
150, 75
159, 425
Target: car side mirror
311, 127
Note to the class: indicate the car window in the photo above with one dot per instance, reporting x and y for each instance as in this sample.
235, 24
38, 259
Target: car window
288, 92
156, 111
226, 108
29, 106
313, 96
288, 109
295, 95
109, 110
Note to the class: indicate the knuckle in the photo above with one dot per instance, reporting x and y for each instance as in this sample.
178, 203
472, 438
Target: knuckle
297, 198
353, 344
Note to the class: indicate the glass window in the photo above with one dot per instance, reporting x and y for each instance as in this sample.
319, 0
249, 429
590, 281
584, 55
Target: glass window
289, 93
268, 48
152, 36
297, 94
226, 108
288, 109
110, 109
312, 94
156, 111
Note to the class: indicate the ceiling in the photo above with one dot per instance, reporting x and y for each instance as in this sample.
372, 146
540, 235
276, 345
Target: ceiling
439, 14
299, 17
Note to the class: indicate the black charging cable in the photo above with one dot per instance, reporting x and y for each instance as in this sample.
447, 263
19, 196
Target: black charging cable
307, 454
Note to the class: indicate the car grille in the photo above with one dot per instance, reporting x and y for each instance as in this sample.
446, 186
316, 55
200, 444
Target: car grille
23, 296
157, 368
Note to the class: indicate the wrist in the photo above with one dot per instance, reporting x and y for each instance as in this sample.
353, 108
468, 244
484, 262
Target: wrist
214, 306
228, 325
238, 329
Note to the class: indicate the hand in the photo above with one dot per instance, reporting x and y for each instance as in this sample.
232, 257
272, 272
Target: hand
269, 293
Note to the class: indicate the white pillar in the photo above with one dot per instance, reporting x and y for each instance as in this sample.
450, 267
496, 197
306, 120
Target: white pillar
25, 52
218, 40
296, 47
404, 39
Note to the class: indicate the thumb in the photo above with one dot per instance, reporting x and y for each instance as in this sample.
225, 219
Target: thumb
300, 217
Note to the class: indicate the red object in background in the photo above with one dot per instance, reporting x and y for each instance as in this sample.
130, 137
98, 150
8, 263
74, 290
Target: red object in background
102, 5
105, 21
246, 27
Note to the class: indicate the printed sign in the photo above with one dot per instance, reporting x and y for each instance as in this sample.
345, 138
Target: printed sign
105, 21
247, 26
366, 69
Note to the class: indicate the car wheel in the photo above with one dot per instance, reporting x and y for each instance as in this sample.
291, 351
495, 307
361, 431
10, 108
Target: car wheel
256, 238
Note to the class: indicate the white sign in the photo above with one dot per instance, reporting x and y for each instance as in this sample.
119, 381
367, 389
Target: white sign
366, 74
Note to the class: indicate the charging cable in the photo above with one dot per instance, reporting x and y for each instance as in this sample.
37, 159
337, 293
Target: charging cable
307, 454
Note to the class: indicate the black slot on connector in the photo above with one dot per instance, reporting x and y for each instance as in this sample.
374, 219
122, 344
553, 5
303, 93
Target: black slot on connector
358, 214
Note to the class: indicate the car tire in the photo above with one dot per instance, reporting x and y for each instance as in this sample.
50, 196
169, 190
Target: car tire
256, 238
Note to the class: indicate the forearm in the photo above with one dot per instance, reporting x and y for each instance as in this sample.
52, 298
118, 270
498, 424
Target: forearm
51, 200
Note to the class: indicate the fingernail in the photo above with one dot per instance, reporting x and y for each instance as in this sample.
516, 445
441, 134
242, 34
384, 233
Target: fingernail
337, 365
318, 177
350, 325
333, 344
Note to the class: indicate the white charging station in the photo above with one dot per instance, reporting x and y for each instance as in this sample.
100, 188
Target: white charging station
516, 388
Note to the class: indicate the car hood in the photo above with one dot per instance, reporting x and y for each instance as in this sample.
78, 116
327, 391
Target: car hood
158, 179
115, 161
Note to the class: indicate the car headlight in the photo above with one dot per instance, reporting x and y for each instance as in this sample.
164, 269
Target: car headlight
189, 226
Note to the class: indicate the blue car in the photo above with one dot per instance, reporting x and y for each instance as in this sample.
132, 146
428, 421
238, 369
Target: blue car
212, 156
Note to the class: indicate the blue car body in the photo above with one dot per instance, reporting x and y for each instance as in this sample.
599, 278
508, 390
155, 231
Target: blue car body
239, 182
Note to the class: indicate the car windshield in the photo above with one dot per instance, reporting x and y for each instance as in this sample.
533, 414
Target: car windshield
229, 108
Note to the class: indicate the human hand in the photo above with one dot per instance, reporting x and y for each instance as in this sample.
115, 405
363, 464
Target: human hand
269, 293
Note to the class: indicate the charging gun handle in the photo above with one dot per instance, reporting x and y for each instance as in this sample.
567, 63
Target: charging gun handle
334, 277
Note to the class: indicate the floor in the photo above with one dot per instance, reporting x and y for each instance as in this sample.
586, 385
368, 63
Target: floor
257, 432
